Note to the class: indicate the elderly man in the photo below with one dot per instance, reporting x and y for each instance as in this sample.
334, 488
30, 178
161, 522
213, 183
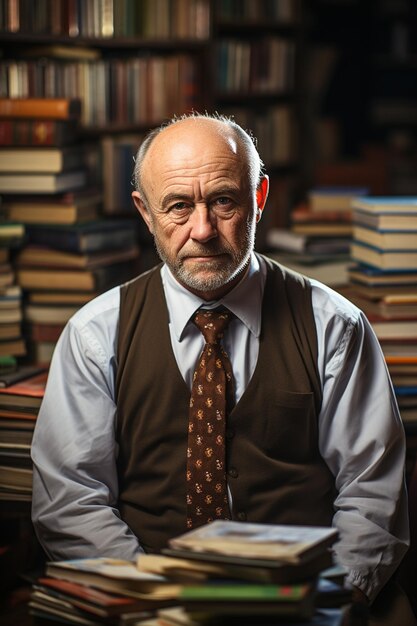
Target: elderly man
132, 447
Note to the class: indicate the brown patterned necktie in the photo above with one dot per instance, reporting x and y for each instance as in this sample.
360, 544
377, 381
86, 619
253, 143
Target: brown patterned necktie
212, 398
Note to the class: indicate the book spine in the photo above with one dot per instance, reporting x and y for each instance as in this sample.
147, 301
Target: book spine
42, 108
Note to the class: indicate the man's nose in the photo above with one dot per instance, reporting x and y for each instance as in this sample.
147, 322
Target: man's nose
203, 224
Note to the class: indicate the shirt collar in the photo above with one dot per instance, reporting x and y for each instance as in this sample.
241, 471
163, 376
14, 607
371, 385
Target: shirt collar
245, 299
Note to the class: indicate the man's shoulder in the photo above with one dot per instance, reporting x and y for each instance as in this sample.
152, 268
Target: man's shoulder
325, 300
99, 307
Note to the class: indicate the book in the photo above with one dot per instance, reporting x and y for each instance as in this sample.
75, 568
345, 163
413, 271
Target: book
323, 229
16, 479
49, 315
290, 240
36, 132
38, 256
11, 233
11, 330
383, 259
386, 308
295, 600
374, 277
49, 332
285, 543
39, 160
114, 575
43, 213
334, 198
35, 183
15, 347
85, 237
386, 221
92, 601
391, 241
387, 330
41, 108
97, 279
387, 204
332, 272
10, 314
187, 566
21, 373
27, 393
61, 297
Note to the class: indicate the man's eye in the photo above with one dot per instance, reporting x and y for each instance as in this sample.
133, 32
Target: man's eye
224, 201
179, 206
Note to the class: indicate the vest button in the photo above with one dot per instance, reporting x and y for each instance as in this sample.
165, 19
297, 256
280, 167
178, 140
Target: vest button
230, 433
233, 473
241, 516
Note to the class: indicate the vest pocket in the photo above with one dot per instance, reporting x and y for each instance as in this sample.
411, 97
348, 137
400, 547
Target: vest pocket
290, 431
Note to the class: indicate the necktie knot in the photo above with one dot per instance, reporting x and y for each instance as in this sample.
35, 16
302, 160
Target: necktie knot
212, 323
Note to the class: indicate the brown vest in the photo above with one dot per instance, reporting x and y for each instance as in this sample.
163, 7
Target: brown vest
275, 471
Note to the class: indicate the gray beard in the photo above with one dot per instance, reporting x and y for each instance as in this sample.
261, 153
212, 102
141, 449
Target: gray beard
222, 274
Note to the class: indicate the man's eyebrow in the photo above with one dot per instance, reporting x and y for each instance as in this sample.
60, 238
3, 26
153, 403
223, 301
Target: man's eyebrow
176, 197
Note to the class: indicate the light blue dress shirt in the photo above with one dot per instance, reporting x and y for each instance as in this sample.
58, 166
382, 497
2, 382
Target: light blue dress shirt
361, 436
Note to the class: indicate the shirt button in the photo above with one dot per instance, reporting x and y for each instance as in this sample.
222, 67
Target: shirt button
233, 473
241, 516
230, 433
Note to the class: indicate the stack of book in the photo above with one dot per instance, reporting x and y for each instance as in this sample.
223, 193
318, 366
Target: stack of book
49, 178
63, 267
21, 393
317, 243
222, 572
12, 343
383, 282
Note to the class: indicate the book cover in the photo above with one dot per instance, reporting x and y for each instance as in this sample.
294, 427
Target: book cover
42, 108
286, 543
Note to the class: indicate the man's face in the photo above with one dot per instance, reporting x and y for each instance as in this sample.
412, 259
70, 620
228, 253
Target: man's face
200, 207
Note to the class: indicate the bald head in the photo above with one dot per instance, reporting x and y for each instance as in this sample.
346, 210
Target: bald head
189, 135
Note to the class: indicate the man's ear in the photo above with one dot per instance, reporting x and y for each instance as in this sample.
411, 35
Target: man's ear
261, 196
141, 207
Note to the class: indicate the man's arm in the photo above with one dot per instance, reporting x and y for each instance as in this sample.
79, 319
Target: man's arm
75, 487
362, 440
